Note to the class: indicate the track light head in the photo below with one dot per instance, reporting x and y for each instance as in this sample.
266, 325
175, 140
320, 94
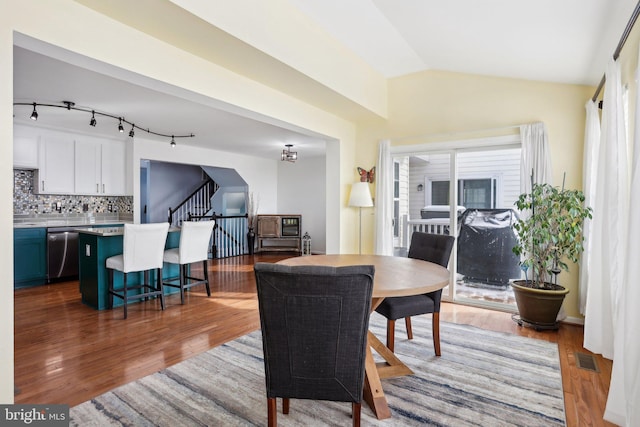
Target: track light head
120, 127
173, 142
93, 119
34, 114
131, 133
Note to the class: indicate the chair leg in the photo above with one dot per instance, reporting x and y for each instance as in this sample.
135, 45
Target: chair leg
205, 268
183, 275
272, 412
110, 300
435, 330
124, 293
391, 329
160, 286
285, 405
355, 413
145, 281
407, 322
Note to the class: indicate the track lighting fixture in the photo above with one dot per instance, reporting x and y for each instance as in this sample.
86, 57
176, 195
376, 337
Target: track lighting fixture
68, 105
288, 155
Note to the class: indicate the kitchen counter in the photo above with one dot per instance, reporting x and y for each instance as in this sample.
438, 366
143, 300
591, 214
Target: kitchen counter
65, 223
111, 231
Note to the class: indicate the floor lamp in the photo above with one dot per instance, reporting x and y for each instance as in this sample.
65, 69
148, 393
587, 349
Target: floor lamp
360, 198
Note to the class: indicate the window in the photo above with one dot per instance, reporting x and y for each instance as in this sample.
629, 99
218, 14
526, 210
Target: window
472, 193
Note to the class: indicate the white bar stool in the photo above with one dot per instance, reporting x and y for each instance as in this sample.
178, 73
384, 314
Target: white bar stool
143, 246
194, 247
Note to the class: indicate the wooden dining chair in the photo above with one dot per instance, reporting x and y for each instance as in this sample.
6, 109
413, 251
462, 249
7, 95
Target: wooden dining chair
434, 248
314, 323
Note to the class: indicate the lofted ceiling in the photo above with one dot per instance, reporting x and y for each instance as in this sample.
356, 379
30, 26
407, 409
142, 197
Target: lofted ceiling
566, 41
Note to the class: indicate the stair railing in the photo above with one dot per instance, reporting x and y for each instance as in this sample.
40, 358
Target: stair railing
229, 234
197, 203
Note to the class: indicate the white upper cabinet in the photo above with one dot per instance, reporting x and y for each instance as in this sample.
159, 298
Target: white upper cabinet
100, 167
25, 147
88, 167
56, 158
74, 164
114, 180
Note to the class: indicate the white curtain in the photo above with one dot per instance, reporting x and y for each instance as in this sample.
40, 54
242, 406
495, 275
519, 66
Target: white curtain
609, 226
623, 401
535, 156
590, 170
384, 201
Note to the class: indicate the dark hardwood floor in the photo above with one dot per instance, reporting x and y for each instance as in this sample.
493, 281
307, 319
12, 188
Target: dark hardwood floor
66, 352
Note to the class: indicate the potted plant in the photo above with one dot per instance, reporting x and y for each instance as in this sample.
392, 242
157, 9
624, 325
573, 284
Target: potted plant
550, 233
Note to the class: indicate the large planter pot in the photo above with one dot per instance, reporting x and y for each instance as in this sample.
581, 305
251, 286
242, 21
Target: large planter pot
538, 308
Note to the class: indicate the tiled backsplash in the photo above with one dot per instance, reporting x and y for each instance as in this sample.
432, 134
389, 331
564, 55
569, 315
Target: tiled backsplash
26, 202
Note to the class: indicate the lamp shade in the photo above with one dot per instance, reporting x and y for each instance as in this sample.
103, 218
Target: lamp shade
360, 195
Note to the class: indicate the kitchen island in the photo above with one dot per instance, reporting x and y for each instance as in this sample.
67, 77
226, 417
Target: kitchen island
98, 244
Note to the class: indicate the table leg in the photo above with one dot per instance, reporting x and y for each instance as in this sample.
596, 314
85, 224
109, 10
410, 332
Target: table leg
392, 366
373, 394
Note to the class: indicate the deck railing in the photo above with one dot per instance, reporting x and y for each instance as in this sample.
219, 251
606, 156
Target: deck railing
433, 225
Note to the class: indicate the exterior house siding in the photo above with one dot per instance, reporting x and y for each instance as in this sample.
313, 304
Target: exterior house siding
503, 165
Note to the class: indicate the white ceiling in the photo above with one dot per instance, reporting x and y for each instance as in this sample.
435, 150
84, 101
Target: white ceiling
46, 80
566, 41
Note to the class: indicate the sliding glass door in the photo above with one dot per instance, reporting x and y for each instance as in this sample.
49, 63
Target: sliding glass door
484, 182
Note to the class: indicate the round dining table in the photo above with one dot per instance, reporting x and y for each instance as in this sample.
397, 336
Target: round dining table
394, 276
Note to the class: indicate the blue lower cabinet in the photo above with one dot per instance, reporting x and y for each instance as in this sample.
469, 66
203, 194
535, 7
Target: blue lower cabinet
94, 277
29, 257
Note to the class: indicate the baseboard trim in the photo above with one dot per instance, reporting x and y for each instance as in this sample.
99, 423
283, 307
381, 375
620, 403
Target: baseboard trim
574, 320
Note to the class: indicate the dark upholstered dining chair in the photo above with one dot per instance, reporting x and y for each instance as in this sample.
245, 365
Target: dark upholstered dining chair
314, 323
435, 248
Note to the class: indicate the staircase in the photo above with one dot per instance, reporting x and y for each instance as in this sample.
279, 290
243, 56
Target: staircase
197, 203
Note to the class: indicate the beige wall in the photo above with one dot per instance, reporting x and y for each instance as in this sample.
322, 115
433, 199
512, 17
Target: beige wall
424, 103
82, 31
436, 103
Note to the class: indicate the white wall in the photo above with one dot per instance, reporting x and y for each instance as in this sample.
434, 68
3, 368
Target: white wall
302, 190
260, 174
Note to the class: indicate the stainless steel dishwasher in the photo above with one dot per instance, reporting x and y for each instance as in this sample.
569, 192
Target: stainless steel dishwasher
62, 253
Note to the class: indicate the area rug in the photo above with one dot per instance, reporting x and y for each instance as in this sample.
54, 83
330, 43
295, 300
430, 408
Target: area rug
483, 378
